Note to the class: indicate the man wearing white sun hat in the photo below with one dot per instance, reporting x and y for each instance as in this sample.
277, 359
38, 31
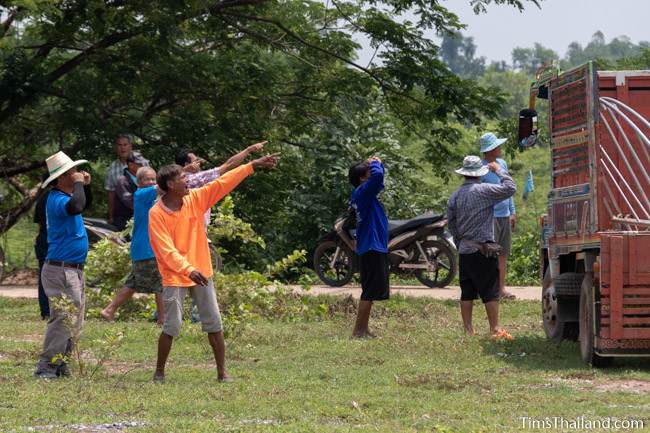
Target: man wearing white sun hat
470, 217
62, 273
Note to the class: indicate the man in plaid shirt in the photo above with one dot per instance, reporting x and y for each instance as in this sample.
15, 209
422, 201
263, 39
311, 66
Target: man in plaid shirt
470, 213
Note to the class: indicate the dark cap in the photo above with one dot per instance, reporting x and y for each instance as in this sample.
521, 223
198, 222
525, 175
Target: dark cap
137, 158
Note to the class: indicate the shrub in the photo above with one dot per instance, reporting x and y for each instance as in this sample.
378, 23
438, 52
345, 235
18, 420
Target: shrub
243, 295
523, 263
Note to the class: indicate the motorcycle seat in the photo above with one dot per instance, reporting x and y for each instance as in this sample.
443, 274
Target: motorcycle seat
397, 227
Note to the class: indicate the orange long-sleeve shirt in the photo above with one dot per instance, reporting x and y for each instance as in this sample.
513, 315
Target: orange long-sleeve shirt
178, 238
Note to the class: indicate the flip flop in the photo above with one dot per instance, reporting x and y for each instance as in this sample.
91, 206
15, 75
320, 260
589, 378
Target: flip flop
501, 335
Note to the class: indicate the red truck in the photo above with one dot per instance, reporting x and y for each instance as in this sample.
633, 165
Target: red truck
596, 232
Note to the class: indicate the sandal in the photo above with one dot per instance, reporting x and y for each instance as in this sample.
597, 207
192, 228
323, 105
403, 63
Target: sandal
501, 335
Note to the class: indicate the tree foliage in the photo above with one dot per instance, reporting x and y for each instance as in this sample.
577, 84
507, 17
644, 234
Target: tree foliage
459, 53
214, 75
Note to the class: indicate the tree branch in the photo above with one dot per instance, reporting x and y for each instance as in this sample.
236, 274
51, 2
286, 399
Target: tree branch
4, 27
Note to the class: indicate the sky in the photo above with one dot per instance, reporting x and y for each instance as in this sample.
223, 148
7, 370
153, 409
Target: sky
555, 25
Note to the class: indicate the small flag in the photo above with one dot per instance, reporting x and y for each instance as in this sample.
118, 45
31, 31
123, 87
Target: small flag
530, 185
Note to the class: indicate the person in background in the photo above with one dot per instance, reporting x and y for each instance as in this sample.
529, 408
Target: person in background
505, 219
124, 189
367, 177
40, 245
196, 177
62, 275
180, 244
144, 276
123, 146
470, 216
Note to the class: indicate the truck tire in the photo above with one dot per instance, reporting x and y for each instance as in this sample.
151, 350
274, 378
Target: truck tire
587, 326
555, 328
568, 284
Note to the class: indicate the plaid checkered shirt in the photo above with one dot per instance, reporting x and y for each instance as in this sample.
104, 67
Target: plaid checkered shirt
197, 180
470, 211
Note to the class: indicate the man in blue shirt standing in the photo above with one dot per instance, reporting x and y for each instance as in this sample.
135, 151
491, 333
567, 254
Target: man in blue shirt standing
504, 211
372, 239
62, 274
144, 276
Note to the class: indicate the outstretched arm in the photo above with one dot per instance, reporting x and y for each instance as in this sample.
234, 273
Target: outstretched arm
237, 159
206, 197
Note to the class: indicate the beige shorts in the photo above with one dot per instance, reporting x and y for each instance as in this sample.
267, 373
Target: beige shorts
503, 234
205, 299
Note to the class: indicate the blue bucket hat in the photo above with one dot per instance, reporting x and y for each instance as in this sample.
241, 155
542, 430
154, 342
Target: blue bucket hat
490, 141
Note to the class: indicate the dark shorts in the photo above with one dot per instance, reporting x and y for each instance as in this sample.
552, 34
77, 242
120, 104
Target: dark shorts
144, 277
373, 267
479, 276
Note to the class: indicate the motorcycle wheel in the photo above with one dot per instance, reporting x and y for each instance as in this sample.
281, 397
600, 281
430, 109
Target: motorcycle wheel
441, 254
341, 273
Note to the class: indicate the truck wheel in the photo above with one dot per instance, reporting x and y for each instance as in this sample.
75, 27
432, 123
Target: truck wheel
554, 328
568, 284
587, 326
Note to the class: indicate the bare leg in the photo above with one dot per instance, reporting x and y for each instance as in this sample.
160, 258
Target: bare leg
121, 297
164, 347
492, 310
363, 317
219, 350
466, 308
160, 307
503, 270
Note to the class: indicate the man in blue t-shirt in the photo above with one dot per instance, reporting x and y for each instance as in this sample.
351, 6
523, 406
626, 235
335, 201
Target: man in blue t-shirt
144, 276
371, 237
62, 274
504, 211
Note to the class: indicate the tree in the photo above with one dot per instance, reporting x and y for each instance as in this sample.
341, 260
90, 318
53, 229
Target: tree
529, 59
75, 73
598, 48
458, 53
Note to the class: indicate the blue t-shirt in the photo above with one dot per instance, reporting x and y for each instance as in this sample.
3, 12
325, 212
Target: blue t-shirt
506, 207
372, 224
143, 200
66, 235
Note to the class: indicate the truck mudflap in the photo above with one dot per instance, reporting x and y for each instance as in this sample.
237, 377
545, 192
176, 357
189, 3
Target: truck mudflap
623, 298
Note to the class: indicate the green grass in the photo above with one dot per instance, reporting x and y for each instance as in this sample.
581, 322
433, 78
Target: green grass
421, 375
18, 245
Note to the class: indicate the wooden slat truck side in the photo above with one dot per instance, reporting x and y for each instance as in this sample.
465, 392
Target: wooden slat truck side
595, 258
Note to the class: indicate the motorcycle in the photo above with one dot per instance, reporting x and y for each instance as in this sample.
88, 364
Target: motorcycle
417, 247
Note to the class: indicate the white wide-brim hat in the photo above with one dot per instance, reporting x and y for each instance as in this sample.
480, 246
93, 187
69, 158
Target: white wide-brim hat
473, 167
58, 164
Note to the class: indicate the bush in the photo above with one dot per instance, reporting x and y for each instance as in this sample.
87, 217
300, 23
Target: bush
243, 295
523, 263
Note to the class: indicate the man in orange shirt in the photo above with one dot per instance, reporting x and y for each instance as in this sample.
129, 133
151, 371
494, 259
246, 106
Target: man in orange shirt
179, 242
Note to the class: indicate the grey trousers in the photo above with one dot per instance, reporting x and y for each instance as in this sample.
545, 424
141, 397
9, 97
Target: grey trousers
205, 299
61, 333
